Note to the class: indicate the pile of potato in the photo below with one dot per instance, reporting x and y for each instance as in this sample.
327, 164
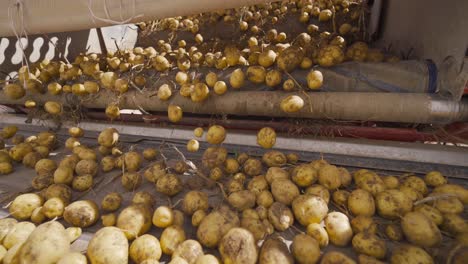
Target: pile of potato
272, 209
328, 34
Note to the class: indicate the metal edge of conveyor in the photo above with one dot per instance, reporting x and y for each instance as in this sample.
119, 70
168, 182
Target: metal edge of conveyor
376, 154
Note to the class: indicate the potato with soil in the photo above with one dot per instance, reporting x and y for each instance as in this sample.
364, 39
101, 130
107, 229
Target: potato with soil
23, 205
292, 104
392, 204
258, 184
214, 157
320, 191
61, 191
274, 173
273, 251
455, 224
133, 161
284, 191
81, 213
371, 182
46, 244
189, 250
169, 184
86, 166
108, 137
434, 179
391, 182
420, 230
53, 207
171, 238
251, 221
416, 183
304, 175
213, 226
431, 212
193, 201
410, 254
266, 137
340, 197
18, 152
280, 216
238, 247
274, 158
131, 180
216, 134
253, 167
361, 202
108, 245
305, 249
63, 175
319, 233
242, 200
134, 220
335, 257
290, 58
330, 177
111, 202
145, 247
370, 245
394, 232
363, 223
338, 229
309, 209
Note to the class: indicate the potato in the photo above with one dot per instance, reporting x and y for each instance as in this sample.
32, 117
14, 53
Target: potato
329, 177
73, 233
431, 212
86, 166
274, 158
18, 234
253, 167
274, 173
63, 175
214, 157
256, 74
134, 220
420, 230
109, 219
132, 161
41, 182
174, 113
305, 249
454, 223
199, 92
53, 207
231, 166
108, 137
292, 104
16, 139
363, 223
392, 204
18, 152
46, 244
273, 78
157, 170
213, 226
163, 217
198, 132
416, 183
111, 202
280, 216
332, 257
266, 137
144, 247
338, 228
290, 58
4, 157
411, 193
6, 225
107, 163
371, 182
251, 221
81, 213
69, 161
369, 244
169, 184
394, 232
237, 79
76, 132
410, 254
448, 205
82, 183
171, 238
197, 217
12, 255
189, 250
340, 197
365, 259
284, 191
108, 245
320, 191
361, 202
265, 199
131, 180
309, 209
391, 182
267, 58
238, 246
216, 134
193, 201
53, 108
143, 197
14, 91
459, 191
242, 200
45, 166
5, 168
258, 184
72, 258
178, 260
273, 251
319, 233
314, 79
179, 218
304, 175
23, 205
434, 179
